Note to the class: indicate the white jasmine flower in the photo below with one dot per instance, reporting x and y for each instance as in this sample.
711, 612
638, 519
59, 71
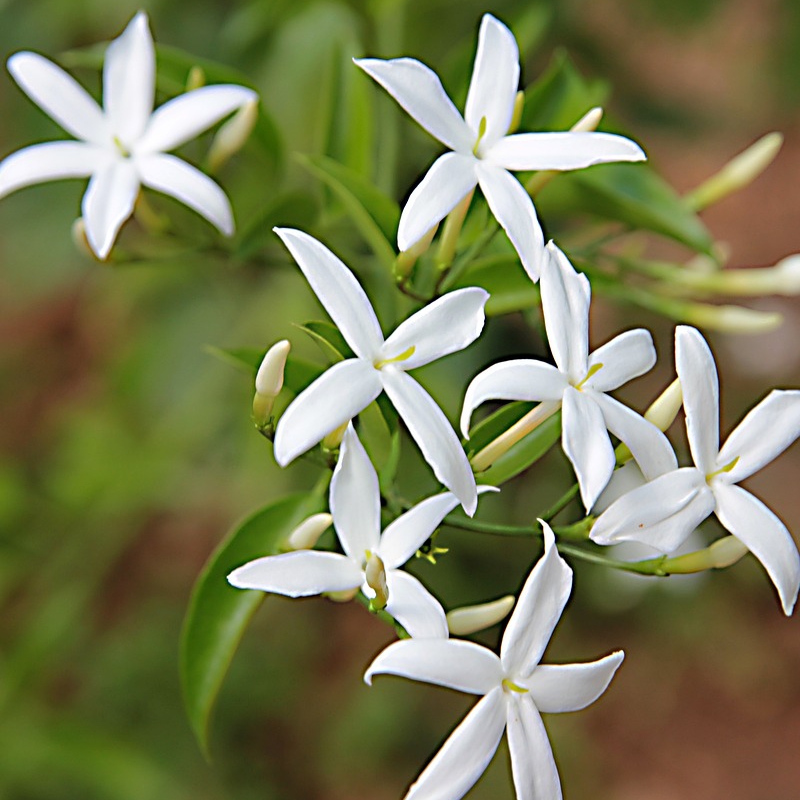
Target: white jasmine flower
371, 561
445, 326
663, 512
482, 152
579, 382
122, 145
515, 688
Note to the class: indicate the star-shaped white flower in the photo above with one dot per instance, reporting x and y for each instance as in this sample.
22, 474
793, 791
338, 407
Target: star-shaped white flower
663, 512
122, 145
483, 153
514, 687
371, 561
445, 326
579, 382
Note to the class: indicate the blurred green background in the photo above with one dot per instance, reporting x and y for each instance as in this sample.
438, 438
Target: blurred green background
127, 451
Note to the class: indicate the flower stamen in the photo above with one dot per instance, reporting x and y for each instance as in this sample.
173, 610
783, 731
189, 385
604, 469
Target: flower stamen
592, 371
727, 468
404, 356
510, 686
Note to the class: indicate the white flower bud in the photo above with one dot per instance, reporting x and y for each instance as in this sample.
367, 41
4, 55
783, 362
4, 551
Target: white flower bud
731, 319
196, 78
307, 533
375, 576
665, 407
589, 121
726, 551
232, 135
470, 619
269, 378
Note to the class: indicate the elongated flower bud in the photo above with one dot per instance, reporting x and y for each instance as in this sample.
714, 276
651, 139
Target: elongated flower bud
589, 121
731, 319
333, 439
375, 575
471, 619
307, 533
232, 135
516, 114
196, 78
269, 381
665, 407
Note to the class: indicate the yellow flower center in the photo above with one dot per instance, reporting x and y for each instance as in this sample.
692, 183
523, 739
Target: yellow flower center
404, 356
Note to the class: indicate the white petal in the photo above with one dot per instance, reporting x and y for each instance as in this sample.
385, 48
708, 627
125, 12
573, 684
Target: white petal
449, 180
434, 435
537, 612
700, 386
767, 538
419, 91
172, 176
557, 688
445, 326
649, 446
532, 763
60, 96
513, 209
108, 202
414, 607
463, 758
766, 431
188, 115
562, 151
334, 398
566, 296
517, 379
355, 499
624, 358
298, 574
51, 161
661, 513
338, 290
403, 537
494, 83
454, 663
586, 444
129, 80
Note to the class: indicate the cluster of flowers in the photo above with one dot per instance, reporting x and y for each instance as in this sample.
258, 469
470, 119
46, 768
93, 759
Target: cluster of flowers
124, 145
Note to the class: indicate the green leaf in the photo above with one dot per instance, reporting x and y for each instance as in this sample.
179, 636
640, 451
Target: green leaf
291, 209
489, 429
524, 453
298, 373
218, 614
374, 215
630, 193
328, 337
508, 284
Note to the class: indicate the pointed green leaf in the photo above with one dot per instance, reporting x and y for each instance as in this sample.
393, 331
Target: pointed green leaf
218, 614
328, 337
298, 373
291, 209
496, 423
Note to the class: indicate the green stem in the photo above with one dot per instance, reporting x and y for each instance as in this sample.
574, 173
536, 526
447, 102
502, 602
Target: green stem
560, 504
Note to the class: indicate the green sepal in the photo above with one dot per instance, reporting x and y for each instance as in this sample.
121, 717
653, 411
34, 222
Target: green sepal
219, 614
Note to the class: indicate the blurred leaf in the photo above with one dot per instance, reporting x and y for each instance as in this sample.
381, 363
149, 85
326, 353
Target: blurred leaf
630, 193
219, 614
292, 210
560, 97
375, 435
373, 213
298, 373
330, 340
524, 453
509, 286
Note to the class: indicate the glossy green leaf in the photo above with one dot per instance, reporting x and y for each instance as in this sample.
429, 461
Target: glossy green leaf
524, 453
218, 614
330, 340
374, 215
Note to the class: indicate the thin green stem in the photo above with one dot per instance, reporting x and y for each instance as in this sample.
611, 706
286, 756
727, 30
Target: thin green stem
560, 504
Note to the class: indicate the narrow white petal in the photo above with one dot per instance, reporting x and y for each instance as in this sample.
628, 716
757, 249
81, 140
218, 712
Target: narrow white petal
566, 296
649, 446
334, 398
51, 161
624, 358
338, 290
532, 763
562, 151
454, 663
662, 513
355, 499
172, 176
585, 441
188, 115
767, 538
766, 431
419, 92
494, 83
513, 209
700, 385
60, 96
414, 607
298, 574
445, 326
517, 379
403, 537
537, 612
557, 688
129, 80
463, 758
434, 435
449, 180
108, 202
